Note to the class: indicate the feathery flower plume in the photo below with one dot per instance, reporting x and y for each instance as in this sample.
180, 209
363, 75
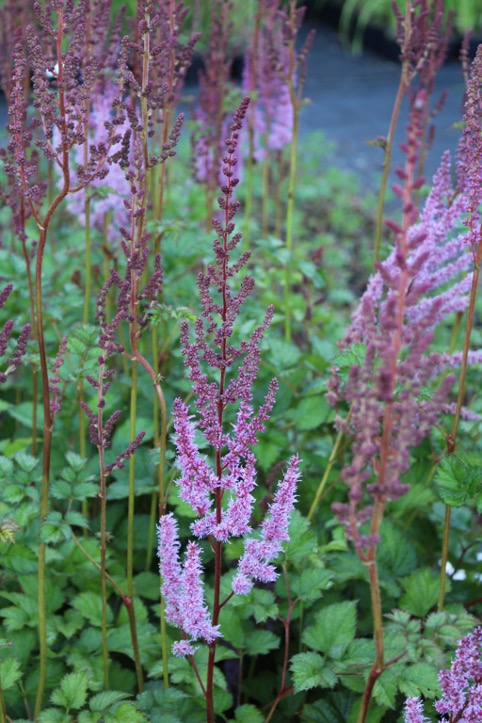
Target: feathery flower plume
461, 686
425, 278
220, 490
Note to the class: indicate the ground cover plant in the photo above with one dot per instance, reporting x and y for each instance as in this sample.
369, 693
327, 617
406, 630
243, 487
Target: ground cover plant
240, 451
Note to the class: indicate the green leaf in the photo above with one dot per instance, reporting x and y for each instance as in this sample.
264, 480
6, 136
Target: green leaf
303, 541
421, 592
77, 519
232, 627
54, 715
386, 686
260, 642
89, 605
125, 713
333, 630
458, 480
147, 585
419, 679
75, 461
10, 672
310, 670
6, 467
82, 490
25, 461
103, 700
262, 605
86, 716
396, 555
310, 413
72, 692
308, 584
60, 489
23, 413
248, 713
283, 354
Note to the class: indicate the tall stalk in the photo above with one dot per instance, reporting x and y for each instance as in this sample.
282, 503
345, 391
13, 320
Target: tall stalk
451, 438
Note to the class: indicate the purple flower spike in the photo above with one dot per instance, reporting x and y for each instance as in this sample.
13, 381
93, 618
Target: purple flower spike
414, 711
170, 567
254, 564
223, 372
462, 684
196, 622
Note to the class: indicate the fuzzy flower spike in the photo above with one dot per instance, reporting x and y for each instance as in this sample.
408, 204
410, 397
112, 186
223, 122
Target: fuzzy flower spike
461, 686
220, 489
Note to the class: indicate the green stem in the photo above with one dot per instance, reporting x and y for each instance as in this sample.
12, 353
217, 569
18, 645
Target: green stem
289, 222
451, 439
265, 195
378, 665
88, 262
132, 477
3, 710
388, 145
326, 474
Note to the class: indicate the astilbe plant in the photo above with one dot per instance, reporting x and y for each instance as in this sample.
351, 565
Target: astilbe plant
426, 278
221, 493
461, 686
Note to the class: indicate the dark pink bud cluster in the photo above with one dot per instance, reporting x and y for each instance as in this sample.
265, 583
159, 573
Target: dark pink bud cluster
54, 379
20, 349
425, 278
210, 115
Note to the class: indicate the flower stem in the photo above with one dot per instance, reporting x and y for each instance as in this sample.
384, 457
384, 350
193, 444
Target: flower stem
326, 474
451, 439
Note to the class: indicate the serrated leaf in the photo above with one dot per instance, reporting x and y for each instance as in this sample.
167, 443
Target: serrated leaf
248, 713
72, 692
6, 467
25, 461
125, 713
310, 413
458, 481
419, 679
310, 670
89, 605
421, 592
260, 642
396, 555
386, 686
75, 461
103, 700
60, 489
303, 540
262, 605
10, 672
308, 584
54, 715
232, 627
77, 519
82, 490
333, 630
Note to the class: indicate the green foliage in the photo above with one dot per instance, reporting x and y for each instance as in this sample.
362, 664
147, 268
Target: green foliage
314, 624
459, 481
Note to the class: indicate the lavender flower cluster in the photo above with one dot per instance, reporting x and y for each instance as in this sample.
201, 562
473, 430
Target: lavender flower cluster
461, 687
